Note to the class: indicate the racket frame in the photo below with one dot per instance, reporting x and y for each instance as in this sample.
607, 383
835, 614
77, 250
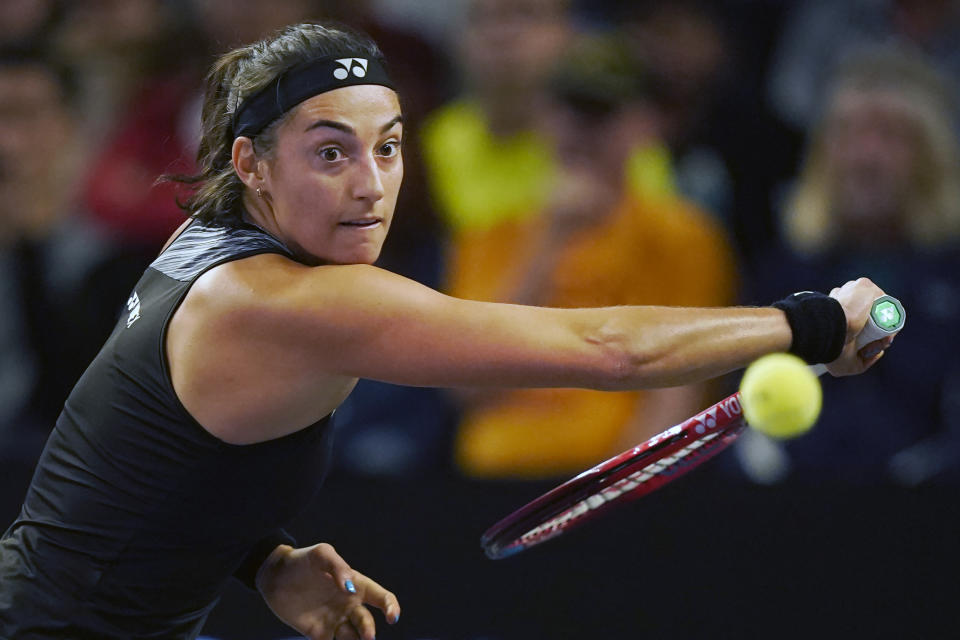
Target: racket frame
625, 477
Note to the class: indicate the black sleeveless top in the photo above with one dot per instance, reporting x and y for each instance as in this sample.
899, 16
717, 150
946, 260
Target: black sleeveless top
136, 516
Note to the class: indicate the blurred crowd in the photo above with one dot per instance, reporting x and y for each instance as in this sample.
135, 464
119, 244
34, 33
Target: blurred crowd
561, 153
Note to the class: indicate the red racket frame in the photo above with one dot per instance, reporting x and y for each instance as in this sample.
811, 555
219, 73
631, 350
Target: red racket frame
621, 479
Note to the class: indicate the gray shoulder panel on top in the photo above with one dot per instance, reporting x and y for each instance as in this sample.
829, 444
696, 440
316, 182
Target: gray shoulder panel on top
201, 246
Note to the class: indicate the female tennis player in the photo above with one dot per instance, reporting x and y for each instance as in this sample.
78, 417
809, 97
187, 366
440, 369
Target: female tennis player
202, 425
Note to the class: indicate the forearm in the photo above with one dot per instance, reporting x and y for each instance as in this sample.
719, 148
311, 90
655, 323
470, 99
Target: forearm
611, 348
667, 346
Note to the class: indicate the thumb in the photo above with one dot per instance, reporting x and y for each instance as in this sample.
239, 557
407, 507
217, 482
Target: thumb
325, 558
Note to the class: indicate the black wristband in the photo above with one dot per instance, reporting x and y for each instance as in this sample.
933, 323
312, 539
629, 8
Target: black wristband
259, 552
818, 323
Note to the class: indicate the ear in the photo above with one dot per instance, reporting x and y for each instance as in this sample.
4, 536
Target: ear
246, 163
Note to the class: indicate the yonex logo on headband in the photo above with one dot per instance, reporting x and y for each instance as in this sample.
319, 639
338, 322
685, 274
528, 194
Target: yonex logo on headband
357, 66
302, 82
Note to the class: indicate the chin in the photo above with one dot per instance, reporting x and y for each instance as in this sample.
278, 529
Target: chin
361, 255
366, 252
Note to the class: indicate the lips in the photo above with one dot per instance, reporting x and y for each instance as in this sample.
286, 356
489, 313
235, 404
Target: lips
361, 223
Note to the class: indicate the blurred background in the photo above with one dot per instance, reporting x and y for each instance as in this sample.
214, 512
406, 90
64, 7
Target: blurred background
563, 153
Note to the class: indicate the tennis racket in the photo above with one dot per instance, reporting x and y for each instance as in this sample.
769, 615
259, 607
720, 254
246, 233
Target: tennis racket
649, 465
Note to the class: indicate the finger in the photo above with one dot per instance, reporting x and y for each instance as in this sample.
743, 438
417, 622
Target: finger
869, 284
324, 557
377, 596
872, 361
318, 630
346, 632
872, 349
363, 624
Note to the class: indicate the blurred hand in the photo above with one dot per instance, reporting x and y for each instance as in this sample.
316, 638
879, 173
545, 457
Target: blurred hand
308, 589
580, 199
856, 297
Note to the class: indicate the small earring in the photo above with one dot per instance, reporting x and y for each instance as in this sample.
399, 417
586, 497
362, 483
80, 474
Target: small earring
259, 193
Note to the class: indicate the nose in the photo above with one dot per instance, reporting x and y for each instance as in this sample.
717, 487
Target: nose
366, 184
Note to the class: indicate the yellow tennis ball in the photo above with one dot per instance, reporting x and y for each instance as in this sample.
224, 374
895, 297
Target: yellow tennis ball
780, 395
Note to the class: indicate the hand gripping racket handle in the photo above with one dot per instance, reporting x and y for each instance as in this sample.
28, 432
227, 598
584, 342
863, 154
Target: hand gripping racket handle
887, 317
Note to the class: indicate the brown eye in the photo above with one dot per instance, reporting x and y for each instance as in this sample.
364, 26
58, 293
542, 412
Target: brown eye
390, 149
331, 154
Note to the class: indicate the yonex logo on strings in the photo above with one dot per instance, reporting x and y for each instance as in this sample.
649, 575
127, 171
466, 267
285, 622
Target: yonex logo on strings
356, 66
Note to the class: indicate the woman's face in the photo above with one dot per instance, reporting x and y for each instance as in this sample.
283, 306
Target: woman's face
871, 148
333, 176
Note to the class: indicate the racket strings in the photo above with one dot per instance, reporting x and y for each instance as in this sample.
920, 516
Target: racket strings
665, 466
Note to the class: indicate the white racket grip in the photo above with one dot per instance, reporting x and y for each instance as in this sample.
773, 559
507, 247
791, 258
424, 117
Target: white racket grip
887, 317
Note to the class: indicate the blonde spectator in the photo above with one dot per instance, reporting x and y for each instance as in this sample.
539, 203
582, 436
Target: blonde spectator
879, 189
883, 165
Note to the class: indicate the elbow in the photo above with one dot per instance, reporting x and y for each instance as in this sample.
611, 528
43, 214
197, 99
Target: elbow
623, 364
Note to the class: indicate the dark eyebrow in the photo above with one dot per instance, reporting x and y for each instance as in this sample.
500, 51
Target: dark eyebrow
397, 120
340, 126
333, 124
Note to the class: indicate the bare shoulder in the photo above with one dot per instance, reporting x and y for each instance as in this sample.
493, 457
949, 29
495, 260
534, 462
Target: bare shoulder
272, 282
247, 346
326, 314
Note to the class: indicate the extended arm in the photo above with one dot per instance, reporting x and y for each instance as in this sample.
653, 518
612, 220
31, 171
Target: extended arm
264, 346
365, 322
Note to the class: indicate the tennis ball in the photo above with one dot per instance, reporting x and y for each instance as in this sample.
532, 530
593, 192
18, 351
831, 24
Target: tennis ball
780, 395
